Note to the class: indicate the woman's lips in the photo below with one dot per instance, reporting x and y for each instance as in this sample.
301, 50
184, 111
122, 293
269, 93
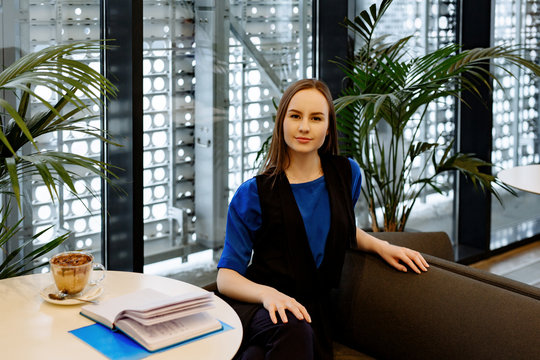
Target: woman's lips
303, 140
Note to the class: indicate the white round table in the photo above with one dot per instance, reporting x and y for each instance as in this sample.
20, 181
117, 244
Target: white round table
32, 328
526, 178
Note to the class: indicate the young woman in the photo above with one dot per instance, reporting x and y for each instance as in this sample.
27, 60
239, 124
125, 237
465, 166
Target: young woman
288, 229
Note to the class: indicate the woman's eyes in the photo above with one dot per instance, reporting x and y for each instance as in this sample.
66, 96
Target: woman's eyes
315, 118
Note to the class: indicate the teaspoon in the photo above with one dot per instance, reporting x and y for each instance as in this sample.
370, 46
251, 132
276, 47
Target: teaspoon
64, 296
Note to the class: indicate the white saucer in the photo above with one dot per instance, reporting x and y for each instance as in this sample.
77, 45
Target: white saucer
90, 293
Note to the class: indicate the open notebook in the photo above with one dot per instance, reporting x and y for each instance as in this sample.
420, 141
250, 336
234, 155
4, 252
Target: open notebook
156, 320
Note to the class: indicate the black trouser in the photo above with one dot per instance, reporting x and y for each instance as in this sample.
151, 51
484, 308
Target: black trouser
266, 340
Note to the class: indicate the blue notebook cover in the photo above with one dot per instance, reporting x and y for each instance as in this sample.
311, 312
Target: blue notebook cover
117, 346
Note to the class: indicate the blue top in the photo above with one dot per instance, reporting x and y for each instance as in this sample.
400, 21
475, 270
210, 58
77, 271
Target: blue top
244, 218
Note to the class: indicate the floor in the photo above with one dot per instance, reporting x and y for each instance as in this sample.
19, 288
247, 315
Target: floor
521, 264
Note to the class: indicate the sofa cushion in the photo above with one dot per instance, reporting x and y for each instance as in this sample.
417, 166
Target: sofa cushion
440, 314
343, 352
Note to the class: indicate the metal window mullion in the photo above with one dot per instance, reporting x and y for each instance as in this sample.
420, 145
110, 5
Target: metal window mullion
60, 136
303, 38
536, 144
58, 12
242, 116
518, 72
245, 59
123, 227
425, 34
172, 129
473, 217
210, 133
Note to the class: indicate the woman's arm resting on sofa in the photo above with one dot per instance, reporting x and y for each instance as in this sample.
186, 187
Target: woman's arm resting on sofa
394, 255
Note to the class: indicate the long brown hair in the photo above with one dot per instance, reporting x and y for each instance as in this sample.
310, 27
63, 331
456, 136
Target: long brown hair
277, 159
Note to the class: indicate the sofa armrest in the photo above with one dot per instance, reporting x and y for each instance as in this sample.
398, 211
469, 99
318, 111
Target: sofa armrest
211, 287
433, 243
449, 312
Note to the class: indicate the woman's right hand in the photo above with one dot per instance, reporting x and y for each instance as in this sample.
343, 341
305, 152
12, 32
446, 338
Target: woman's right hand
236, 286
274, 300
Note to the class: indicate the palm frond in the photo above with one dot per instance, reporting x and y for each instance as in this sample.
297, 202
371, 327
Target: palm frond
365, 23
14, 264
64, 77
74, 87
390, 85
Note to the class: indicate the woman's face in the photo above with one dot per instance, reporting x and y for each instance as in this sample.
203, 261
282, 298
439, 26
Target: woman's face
306, 122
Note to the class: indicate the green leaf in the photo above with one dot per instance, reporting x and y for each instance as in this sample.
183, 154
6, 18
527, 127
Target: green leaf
22, 267
352, 25
64, 175
421, 147
7, 232
368, 23
13, 113
46, 176
11, 166
23, 103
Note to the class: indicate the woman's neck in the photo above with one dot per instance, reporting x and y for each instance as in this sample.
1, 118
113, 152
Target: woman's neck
303, 169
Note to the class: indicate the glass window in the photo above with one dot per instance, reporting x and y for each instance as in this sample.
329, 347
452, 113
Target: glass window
516, 130
432, 25
29, 26
168, 104
210, 74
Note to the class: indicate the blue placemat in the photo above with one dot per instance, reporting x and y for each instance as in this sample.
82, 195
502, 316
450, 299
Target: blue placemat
117, 346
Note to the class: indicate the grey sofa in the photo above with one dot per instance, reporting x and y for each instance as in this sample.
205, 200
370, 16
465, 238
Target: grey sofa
450, 312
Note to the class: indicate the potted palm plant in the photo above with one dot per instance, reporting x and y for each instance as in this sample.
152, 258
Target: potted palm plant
390, 91
76, 87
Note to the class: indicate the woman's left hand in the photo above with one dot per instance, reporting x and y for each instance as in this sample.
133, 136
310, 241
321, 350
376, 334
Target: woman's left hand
397, 256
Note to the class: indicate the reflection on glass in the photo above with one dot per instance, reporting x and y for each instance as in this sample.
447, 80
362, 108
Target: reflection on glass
171, 105
432, 25
36, 25
516, 134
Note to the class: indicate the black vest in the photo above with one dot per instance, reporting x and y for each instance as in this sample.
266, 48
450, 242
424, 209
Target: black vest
282, 257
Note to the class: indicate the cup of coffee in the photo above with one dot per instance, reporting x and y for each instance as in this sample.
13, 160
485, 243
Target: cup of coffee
72, 271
